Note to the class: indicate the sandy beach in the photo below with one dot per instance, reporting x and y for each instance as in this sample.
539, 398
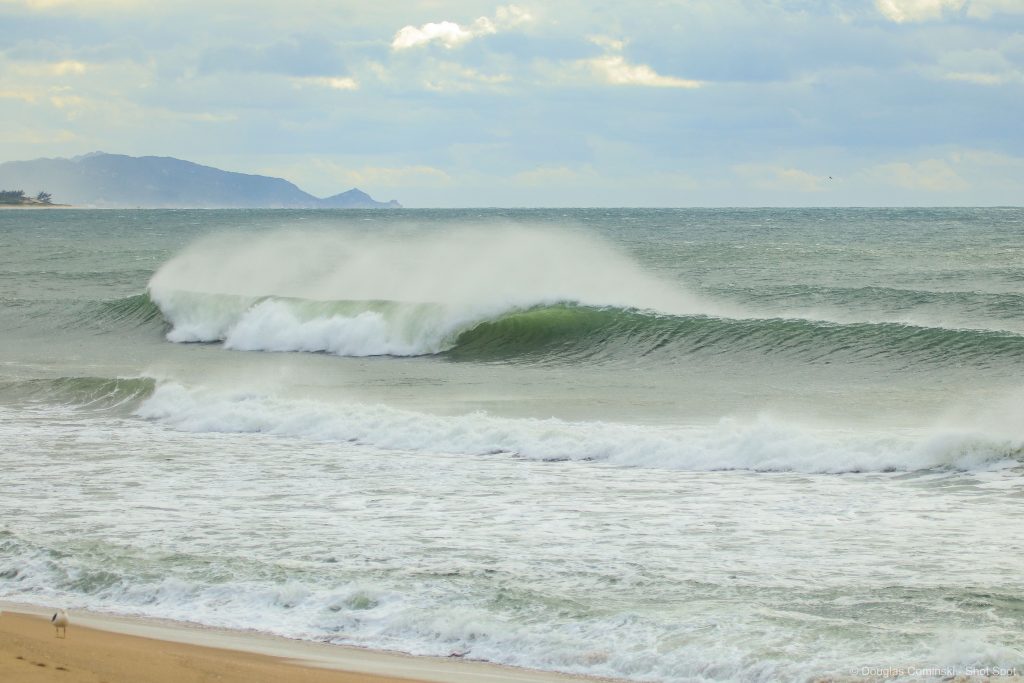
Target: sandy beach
107, 649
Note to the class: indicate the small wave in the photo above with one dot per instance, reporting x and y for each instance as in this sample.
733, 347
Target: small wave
134, 310
759, 445
953, 309
102, 393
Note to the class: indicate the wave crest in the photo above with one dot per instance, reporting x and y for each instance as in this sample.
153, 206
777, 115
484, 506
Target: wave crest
556, 332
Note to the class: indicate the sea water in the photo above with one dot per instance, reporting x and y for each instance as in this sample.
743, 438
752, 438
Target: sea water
657, 445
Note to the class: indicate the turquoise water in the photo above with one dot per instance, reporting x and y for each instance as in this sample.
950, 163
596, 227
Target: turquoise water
754, 445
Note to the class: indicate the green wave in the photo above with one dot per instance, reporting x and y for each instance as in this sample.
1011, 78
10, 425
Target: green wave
135, 310
101, 393
569, 332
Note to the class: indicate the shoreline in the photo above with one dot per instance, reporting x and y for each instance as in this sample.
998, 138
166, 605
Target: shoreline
36, 206
135, 641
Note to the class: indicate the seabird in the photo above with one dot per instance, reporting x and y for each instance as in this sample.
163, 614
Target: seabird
60, 621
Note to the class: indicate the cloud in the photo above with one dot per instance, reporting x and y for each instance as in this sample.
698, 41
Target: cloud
382, 176
932, 175
457, 78
546, 176
451, 34
984, 78
771, 177
331, 82
613, 69
902, 11
67, 67
22, 95
78, 5
35, 136
209, 117
37, 70
984, 9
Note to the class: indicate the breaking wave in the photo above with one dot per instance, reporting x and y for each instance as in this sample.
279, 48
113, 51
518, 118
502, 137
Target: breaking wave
764, 444
556, 332
498, 295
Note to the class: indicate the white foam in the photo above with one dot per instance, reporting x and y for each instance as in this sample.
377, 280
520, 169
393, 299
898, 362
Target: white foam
763, 444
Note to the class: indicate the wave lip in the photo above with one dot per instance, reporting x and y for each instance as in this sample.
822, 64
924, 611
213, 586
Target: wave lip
761, 445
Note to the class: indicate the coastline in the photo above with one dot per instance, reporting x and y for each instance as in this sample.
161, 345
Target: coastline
118, 648
34, 205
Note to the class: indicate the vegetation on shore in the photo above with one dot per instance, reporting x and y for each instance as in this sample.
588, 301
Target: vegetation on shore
18, 198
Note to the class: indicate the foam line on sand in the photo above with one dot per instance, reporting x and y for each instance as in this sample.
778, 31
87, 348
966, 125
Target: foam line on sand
119, 649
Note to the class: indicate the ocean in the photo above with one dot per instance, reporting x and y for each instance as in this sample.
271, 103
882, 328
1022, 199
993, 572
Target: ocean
654, 445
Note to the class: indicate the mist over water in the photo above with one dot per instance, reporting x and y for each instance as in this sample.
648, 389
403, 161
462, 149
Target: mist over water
649, 444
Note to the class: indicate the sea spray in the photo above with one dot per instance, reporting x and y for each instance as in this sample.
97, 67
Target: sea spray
465, 274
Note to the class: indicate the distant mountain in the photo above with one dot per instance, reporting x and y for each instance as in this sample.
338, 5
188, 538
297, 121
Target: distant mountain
115, 180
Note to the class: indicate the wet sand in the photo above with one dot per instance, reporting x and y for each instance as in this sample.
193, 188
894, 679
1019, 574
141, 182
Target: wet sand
107, 649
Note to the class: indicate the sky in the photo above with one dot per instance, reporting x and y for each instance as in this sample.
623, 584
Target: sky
556, 103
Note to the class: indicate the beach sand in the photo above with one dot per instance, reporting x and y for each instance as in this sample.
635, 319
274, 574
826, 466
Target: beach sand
106, 649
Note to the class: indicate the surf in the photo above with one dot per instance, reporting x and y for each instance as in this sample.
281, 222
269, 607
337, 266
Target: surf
501, 294
763, 444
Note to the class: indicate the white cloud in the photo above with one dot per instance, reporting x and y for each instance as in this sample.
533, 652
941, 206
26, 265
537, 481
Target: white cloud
987, 159
34, 136
902, 11
612, 68
932, 175
327, 176
23, 95
561, 176
67, 67
332, 82
403, 176
78, 5
448, 33
984, 78
771, 177
209, 117
39, 71
451, 34
615, 70
457, 78
984, 9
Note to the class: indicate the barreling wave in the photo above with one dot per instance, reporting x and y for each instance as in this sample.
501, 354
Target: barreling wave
509, 295
559, 332
764, 444
98, 393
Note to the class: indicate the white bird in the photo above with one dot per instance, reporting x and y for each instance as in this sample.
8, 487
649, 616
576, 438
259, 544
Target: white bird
60, 622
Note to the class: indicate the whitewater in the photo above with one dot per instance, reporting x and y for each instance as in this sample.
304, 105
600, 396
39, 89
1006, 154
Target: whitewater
651, 445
